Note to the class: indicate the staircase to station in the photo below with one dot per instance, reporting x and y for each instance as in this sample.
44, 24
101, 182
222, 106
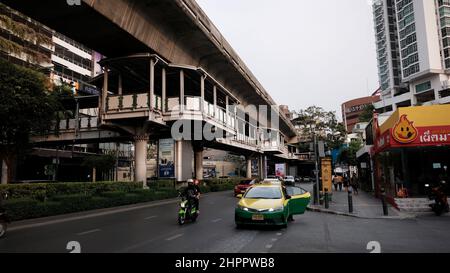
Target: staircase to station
414, 204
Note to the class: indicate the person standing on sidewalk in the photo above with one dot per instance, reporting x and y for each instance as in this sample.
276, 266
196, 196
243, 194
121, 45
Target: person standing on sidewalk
354, 184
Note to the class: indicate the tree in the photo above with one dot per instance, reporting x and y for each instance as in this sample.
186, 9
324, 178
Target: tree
367, 114
315, 120
27, 106
348, 154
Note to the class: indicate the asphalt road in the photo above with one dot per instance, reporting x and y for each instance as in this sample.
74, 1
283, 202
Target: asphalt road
155, 230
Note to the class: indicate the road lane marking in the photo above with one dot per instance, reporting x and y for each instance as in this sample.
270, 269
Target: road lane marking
269, 246
279, 234
274, 239
151, 217
217, 220
174, 237
88, 232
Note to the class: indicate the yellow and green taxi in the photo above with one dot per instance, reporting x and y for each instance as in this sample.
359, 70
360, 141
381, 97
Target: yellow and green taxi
270, 204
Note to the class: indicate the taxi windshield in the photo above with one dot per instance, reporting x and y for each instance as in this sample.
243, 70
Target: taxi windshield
264, 193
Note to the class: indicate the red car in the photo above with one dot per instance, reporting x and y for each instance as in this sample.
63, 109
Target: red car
243, 186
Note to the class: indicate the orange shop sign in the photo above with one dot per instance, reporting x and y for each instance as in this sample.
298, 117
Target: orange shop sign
406, 134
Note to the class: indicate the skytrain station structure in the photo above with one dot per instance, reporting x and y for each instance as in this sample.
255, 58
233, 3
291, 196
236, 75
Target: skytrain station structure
169, 77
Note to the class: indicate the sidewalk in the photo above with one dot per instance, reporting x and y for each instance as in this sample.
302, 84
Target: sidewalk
364, 206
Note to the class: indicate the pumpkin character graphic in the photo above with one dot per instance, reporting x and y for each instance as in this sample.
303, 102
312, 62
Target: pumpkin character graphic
404, 131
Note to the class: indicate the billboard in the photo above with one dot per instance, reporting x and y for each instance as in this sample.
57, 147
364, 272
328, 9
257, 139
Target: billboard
166, 158
280, 170
326, 174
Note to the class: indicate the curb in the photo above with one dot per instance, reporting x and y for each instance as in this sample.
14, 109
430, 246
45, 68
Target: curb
313, 209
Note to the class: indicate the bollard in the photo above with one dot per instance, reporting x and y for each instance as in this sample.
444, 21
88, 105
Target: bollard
384, 203
327, 203
350, 201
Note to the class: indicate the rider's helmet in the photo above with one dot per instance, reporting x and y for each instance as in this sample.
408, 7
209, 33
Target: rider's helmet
190, 182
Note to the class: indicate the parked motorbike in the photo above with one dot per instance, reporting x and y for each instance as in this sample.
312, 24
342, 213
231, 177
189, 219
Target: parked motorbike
4, 220
440, 198
187, 212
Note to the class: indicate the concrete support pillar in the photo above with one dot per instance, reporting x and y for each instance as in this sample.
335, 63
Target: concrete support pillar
179, 160
215, 101
4, 180
199, 163
164, 91
104, 92
184, 160
249, 167
227, 100
181, 90
140, 151
120, 88
236, 119
262, 166
152, 84
202, 93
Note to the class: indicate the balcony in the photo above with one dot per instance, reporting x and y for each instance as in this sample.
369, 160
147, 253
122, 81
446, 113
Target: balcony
84, 123
131, 106
192, 110
272, 141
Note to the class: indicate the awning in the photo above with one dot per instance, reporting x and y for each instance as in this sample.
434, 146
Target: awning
417, 126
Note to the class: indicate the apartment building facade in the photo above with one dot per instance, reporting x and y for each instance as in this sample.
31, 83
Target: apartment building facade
413, 52
28, 43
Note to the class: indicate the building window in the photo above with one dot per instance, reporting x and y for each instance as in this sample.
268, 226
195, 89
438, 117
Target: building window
423, 87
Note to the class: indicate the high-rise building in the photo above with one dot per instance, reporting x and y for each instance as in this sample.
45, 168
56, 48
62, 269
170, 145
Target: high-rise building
388, 54
26, 42
413, 51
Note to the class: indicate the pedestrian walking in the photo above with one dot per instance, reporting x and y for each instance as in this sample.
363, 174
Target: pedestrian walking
346, 183
335, 182
340, 181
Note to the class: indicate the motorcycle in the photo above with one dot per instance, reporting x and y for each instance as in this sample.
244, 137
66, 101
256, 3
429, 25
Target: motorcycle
4, 220
437, 194
187, 212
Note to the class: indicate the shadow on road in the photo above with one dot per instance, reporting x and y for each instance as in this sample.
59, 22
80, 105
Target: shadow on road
261, 228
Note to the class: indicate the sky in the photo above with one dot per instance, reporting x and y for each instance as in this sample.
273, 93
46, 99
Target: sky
304, 52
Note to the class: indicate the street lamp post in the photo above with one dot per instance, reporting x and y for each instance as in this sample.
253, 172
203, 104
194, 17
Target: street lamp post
317, 169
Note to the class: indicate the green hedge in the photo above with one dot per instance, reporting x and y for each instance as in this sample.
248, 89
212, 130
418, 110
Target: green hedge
162, 184
30, 201
43, 192
26, 208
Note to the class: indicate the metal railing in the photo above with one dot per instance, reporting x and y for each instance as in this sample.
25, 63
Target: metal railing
83, 123
133, 102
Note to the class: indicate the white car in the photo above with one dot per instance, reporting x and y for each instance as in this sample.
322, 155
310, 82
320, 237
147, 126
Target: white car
273, 181
289, 180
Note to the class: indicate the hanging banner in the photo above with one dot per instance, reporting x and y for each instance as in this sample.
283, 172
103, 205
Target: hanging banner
166, 164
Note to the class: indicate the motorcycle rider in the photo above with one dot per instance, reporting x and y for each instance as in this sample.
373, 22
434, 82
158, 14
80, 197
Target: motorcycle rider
192, 194
198, 193
440, 194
